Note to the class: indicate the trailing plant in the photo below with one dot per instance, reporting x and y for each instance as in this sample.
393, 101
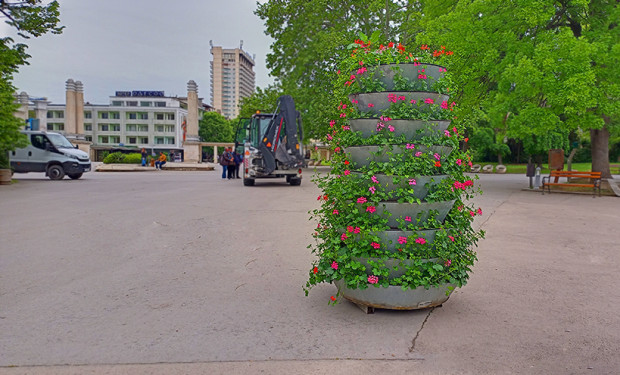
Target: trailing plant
352, 220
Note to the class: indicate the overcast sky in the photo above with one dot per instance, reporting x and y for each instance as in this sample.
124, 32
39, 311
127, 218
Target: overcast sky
114, 45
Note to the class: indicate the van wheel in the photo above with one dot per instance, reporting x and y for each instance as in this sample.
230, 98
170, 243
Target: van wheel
74, 176
295, 181
55, 172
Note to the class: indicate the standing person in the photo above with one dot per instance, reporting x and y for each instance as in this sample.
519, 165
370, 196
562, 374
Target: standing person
172, 156
224, 158
238, 161
144, 155
160, 161
231, 164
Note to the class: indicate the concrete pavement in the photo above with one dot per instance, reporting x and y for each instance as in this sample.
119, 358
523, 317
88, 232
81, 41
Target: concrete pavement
185, 273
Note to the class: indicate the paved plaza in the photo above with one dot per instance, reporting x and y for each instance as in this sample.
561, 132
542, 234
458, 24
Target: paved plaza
185, 273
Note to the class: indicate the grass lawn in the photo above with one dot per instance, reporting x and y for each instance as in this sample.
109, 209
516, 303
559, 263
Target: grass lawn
521, 168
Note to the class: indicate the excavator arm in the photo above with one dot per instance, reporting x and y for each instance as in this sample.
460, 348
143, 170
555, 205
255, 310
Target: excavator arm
281, 141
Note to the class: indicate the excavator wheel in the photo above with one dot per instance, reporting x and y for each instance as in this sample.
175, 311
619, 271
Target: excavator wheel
248, 181
295, 181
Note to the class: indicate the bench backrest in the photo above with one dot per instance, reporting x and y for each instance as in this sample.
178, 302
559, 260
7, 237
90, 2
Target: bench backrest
575, 174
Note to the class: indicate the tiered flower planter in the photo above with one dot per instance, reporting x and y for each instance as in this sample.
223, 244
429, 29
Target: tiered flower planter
393, 230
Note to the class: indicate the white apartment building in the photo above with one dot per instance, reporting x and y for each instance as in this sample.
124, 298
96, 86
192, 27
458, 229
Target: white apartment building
232, 78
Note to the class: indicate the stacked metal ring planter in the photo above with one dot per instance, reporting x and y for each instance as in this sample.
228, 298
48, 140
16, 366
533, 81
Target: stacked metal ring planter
362, 157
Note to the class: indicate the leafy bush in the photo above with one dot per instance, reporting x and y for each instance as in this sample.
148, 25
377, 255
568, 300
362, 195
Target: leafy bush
120, 158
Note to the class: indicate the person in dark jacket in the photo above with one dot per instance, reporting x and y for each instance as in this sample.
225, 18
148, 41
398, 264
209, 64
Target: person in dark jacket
238, 163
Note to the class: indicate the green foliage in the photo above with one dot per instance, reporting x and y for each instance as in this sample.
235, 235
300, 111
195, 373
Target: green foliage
30, 19
213, 127
536, 71
310, 36
121, 158
262, 100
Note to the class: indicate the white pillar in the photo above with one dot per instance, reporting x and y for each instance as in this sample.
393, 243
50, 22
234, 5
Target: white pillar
22, 111
79, 109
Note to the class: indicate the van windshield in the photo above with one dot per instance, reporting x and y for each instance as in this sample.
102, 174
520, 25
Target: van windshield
59, 141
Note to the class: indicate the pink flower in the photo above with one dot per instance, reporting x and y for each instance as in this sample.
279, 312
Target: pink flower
372, 189
361, 70
329, 137
375, 245
346, 127
380, 126
454, 130
334, 265
479, 211
332, 123
402, 240
350, 229
410, 146
354, 101
374, 179
451, 238
448, 263
472, 213
402, 98
429, 101
413, 101
384, 118
444, 105
347, 172
373, 279
371, 209
361, 200
412, 181
370, 105
344, 106
335, 212
437, 156
407, 218
343, 237
390, 128
459, 161
446, 133
419, 153
420, 240
352, 78
357, 230
392, 98
343, 115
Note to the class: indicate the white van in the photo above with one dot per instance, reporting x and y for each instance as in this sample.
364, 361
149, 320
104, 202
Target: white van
51, 153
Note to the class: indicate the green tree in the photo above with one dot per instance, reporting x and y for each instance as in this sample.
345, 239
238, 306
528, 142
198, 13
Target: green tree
262, 100
311, 35
29, 18
538, 69
213, 127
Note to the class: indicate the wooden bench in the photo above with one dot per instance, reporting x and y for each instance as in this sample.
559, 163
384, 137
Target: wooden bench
594, 177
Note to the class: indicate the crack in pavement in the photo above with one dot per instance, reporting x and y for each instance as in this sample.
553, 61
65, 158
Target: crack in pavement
412, 348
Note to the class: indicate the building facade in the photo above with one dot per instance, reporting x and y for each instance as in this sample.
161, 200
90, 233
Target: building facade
232, 78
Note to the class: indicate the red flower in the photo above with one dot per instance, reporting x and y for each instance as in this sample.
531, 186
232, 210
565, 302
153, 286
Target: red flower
391, 44
333, 298
437, 164
466, 139
401, 48
346, 162
315, 270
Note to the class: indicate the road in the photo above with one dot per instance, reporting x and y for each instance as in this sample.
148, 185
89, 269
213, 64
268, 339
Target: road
158, 272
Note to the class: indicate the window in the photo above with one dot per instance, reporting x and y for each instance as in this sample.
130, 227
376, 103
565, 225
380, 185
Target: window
143, 128
88, 127
143, 115
50, 114
169, 116
159, 116
117, 103
169, 128
159, 128
89, 138
169, 140
115, 139
88, 114
39, 141
132, 127
146, 104
115, 115
104, 139
132, 140
143, 140
54, 126
132, 104
115, 127
104, 115
160, 104
104, 127
159, 140
132, 115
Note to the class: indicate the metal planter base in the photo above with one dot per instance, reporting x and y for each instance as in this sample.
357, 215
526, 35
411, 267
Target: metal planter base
394, 297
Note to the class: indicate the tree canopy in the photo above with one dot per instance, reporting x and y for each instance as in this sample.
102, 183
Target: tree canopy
214, 127
31, 18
